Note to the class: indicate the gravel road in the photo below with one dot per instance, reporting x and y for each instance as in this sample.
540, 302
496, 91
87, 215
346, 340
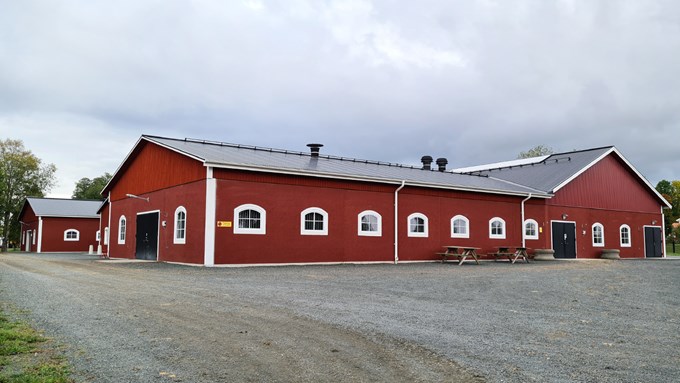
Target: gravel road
562, 321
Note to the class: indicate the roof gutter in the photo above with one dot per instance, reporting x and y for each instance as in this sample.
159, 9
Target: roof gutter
396, 222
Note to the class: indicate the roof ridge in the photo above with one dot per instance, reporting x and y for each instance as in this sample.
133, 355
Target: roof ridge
286, 151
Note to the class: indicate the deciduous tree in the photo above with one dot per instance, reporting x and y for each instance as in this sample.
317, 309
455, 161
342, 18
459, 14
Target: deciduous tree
22, 175
91, 188
536, 151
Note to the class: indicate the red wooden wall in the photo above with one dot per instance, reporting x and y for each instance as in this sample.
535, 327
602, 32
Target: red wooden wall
53, 234
151, 168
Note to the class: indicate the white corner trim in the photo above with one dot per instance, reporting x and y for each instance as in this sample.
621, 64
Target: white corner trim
210, 222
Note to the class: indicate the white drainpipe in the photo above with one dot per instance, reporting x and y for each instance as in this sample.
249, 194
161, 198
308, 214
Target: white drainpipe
396, 222
524, 241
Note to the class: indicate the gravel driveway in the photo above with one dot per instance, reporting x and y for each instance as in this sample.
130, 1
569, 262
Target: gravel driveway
562, 321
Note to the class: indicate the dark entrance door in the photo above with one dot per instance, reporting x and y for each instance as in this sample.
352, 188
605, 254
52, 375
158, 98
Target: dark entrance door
564, 239
653, 243
147, 236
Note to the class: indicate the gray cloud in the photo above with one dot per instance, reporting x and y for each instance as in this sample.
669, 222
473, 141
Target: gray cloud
475, 81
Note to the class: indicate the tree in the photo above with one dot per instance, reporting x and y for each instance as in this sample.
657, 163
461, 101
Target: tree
22, 174
91, 188
671, 192
536, 151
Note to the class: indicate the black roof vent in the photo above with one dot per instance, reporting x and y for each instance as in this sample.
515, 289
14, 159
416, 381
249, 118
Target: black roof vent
314, 148
427, 162
442, 162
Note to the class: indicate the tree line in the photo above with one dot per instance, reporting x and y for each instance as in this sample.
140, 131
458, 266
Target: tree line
670, 190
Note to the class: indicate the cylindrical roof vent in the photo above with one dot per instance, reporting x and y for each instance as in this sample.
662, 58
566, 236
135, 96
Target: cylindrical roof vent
427, 162
442, 162
314, 149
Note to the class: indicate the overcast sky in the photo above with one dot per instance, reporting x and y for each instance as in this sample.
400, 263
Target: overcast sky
473, 81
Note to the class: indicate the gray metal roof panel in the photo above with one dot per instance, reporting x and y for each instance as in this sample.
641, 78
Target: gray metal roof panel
266, 159
548, 174
54, 207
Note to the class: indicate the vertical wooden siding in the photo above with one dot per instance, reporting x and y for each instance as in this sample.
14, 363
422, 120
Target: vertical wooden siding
607, 185
154, 168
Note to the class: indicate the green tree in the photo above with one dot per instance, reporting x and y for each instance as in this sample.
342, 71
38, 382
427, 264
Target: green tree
22, 175
91, 188
670, 190
536, 151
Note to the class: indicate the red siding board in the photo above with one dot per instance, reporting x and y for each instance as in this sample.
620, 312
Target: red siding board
154, 168
607, 185
53, 234
191, 196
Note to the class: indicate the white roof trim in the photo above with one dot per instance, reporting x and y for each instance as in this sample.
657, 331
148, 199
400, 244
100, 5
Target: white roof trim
504, 164
605, 154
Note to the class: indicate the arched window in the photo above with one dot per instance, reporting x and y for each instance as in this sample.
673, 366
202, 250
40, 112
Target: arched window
370, 224
417, 225
250, 219
598, 235
530, 229
71, 235
122, 226
460, 227
180, 228
314, 221
497, 228
624, 231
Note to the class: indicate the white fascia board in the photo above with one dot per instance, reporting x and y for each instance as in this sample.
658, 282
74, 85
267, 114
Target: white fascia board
630, 166
68, 216
150, 139
375, 180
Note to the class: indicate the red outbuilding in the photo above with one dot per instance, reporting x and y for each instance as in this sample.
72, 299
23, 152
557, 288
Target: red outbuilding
212, 203
59, 225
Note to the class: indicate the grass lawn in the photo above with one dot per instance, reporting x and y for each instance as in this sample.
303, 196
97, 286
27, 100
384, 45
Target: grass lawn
28, 357
669, 250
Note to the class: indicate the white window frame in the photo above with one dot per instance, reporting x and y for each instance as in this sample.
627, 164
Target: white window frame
98, 235
592, 229
106, 236
624, 226
122, 229
467, 227
323, 213
263, 220
533, 222
77, 238
503, 228
176, 239
368, 233
35, 236
23, 237
426, 224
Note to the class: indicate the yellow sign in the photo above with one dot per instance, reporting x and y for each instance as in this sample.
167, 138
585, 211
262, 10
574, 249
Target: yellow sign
223, 223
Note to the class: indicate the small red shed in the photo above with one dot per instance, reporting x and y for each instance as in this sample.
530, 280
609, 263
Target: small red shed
213, 203
59, 225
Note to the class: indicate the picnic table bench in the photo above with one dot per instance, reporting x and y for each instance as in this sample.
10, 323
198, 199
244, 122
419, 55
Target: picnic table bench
512, 256
461, 253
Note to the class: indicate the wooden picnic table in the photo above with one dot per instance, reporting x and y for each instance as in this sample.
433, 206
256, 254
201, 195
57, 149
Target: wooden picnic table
460, 252
512, 256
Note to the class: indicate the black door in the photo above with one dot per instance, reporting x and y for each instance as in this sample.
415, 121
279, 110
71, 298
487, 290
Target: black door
653, 243
147, 236
564, 239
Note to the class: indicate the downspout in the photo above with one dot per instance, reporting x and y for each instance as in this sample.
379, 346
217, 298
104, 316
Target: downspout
524, 241
663, 232
396, 222
107, 232
40, 226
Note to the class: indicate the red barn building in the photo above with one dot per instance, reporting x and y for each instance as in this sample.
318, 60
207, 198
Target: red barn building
59, 225
213, 203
